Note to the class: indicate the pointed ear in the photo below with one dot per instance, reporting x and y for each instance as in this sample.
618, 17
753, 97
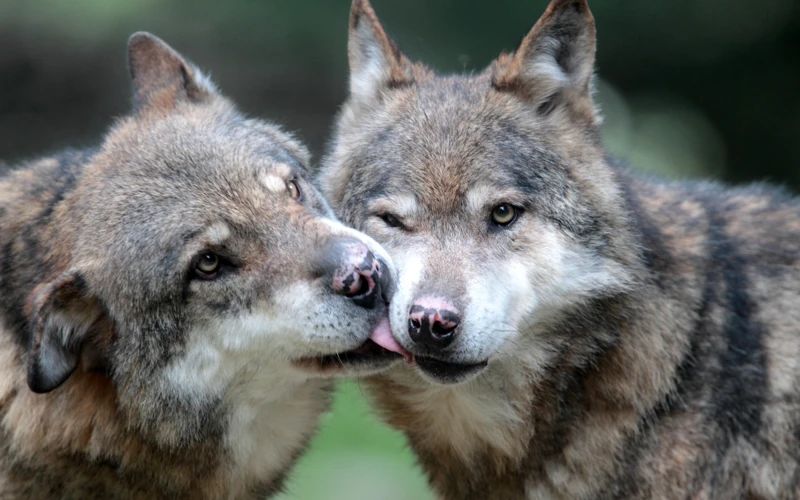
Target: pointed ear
63, 312
161, 77
375, 61
554, 63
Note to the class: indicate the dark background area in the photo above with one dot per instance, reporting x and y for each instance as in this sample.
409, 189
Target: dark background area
689, 88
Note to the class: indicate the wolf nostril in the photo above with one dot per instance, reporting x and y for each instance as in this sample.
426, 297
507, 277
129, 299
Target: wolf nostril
361, 286
439, 330
414, 327
364, 289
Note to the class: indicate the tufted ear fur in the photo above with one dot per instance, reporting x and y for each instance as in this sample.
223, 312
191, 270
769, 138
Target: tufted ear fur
554, 63
161, 77
375, 62
64, 315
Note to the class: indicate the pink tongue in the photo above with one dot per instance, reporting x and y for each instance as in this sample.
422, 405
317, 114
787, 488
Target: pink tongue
382, 335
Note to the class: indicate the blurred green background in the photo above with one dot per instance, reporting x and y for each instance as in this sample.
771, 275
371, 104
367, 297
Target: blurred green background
689, 88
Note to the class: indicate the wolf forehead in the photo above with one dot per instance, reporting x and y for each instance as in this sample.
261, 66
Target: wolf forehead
429, 139
214, 138
207, 162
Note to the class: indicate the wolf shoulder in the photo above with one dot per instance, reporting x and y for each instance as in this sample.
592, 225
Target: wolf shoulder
758, 223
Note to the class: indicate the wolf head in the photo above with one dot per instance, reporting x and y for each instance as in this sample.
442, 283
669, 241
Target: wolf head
490, 191
193, 251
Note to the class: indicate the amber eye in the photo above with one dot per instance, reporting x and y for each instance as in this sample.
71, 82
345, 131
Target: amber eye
294, 190
208, 265
504, 214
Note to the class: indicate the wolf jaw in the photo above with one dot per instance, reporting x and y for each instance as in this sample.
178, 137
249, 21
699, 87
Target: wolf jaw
372, 356
158, 293
617, 313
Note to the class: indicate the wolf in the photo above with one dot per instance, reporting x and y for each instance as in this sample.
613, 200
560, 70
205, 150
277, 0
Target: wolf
577, 330
175, 302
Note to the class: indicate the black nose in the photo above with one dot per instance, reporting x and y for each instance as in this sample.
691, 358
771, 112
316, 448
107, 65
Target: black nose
432, 322
355, 272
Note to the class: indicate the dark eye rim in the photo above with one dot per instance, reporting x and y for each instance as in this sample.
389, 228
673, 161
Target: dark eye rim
392, 221
517, 212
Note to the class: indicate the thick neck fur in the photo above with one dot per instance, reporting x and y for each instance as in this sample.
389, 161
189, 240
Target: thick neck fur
644, 390
77, 441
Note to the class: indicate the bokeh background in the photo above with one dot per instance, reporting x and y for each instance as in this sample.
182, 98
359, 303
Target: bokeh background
689, 88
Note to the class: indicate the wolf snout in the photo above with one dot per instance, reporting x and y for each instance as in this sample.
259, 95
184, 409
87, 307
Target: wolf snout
355, 272
433, 321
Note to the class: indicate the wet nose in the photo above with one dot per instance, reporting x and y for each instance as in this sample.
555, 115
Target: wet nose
355, 272
432, 322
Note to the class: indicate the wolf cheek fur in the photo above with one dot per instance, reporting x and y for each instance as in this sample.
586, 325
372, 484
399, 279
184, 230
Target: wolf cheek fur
174, 295
623, 337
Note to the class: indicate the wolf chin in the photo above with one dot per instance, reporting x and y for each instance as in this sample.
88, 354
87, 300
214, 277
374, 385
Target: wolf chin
578, 331
174, 302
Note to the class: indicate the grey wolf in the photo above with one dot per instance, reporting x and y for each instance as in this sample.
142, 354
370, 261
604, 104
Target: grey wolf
577, 330
174, 302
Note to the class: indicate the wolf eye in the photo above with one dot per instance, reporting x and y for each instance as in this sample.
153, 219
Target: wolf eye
207, 266
294, 190
504, 214
391, 220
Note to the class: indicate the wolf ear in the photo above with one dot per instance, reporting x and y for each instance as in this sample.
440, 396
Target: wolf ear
64, 311
161, 77
375, 61
554, 62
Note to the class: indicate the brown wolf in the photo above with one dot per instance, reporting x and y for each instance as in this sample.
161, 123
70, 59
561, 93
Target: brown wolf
173, 297
578, 331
